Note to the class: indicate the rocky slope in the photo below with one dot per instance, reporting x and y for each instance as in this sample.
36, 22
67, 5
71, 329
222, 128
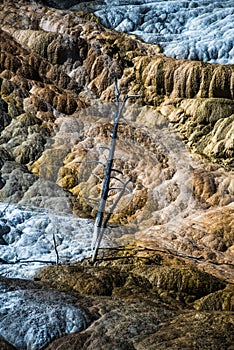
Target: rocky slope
191, 29
176, 143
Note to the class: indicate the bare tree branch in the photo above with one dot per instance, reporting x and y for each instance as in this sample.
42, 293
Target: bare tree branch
101, 221
99, 238
98, 177
117, 179
55, 248
117, 171
90, 161
5, 209
105, 147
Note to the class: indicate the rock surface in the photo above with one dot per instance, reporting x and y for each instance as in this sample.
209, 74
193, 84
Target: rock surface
195, 30
6, 346
46, 315
147, 299
174, 276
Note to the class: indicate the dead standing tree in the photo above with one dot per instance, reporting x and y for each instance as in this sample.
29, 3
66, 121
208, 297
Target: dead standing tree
102, 218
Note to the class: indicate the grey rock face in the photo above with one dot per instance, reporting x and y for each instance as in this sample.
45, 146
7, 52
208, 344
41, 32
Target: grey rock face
30, 319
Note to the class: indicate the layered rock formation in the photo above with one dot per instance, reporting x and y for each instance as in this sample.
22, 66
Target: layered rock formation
139, 299
195, 30
175, 143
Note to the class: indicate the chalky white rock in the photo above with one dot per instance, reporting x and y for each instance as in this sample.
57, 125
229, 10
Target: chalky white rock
194, 30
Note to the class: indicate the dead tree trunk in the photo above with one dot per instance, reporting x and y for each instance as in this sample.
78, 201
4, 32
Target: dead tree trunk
101, 221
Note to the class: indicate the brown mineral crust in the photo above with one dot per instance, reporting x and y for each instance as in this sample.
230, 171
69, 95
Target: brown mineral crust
6, 346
